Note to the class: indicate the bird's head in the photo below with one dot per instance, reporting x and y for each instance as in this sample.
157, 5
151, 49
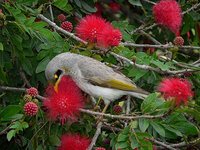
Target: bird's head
57, 68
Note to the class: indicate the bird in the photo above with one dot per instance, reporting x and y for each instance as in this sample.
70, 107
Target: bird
92, 77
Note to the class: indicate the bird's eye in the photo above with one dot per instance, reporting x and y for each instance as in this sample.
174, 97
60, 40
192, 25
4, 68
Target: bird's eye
57, 74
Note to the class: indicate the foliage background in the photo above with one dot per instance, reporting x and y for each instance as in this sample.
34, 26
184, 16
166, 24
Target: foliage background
27, 44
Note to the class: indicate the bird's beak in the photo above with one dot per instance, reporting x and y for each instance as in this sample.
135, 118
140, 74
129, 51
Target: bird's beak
56, 85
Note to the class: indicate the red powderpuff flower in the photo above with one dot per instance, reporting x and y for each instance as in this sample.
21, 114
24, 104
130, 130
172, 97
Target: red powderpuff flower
32, 91
179, 89
109, 37
90, 27
168, 13
65, 103
74, 142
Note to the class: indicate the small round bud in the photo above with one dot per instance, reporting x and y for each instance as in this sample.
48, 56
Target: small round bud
30, 109
27, 98
35, 100
117, 109
67, 26
61, 17
32, 91
106, 141
178, 41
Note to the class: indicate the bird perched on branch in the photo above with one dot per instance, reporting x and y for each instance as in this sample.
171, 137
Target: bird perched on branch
92, 77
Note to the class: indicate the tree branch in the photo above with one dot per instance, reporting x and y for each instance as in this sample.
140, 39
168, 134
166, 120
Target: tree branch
96, 135
124, 117
60, 29
166, 46
14, 89
146, 67
162, 144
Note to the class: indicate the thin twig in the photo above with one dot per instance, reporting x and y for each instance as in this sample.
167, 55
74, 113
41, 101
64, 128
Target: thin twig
162, 144
23, 76
128, 107
166, 46
191, 8
6, 129
51, 13
6, 88
146, 67
60, 29
153, 25
120, 116
182, 144
150, 2
96, 135
150, 37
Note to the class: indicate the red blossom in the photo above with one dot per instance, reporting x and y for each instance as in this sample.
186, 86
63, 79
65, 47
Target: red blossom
168, 13
74, 142
109, 37
179, 89
65, 103
89, 28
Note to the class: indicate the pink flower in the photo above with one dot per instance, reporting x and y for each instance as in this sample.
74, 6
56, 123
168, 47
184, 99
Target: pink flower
109, 37
74, 142
168, 14
65, 103
179, 89
89, 28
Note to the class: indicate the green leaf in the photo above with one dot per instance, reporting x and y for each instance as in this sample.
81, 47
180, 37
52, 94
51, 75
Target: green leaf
78, 3
42, 65
88, 7
186, 128
122, 137
151, 103
135, 2
9, 112
1, 46
54, 140
24, 125
27, 66
143, 124
10, 134
158, 128
134, 142
63, 5
122, 145
177, 132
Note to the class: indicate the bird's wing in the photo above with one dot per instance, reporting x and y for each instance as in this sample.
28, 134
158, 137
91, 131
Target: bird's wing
99, 74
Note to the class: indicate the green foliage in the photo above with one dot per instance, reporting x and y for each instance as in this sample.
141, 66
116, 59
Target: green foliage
27, 44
